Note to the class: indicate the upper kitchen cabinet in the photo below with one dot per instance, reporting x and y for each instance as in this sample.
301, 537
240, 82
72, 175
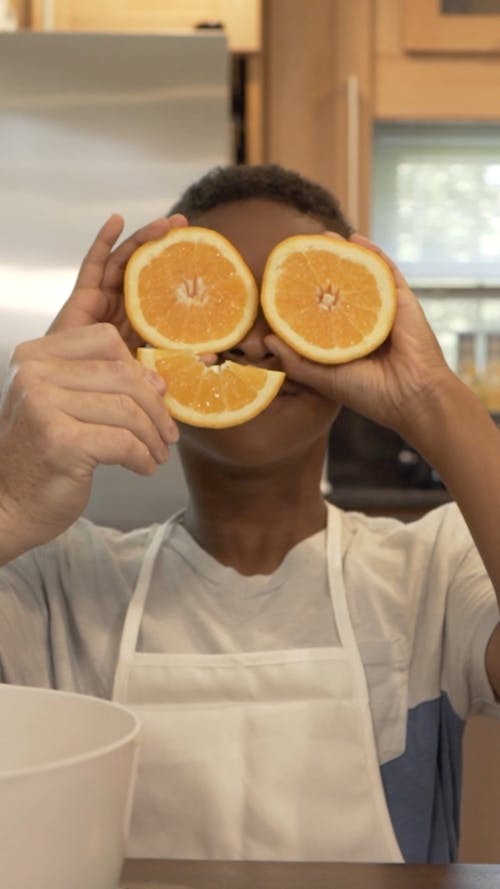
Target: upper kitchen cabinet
437, 60
239, 18
318, 94
457, 26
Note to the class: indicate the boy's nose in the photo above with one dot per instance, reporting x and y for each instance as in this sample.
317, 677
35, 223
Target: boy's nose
252, 347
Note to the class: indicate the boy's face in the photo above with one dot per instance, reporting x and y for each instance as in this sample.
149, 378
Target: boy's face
298, 419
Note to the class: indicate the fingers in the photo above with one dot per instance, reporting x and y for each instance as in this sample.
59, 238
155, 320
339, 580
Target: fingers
83, 381
317, 376
92, 359
110, 446
72, 449
116, 412
97, 293
71, 433
365, 242
94, 380
369, 245
127, 381
157, 229
92, 268
92, 341
88, 303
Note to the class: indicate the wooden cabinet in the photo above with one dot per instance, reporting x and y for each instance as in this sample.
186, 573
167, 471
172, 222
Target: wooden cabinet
460, 27
318, 92
334, 67
318, 74
240, 18
480, 822
437, 82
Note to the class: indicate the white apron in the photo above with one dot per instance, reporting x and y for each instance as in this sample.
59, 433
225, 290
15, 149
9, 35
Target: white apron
265, 755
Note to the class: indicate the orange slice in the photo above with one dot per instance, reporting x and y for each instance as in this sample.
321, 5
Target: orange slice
329, 299
218, 396
190, 289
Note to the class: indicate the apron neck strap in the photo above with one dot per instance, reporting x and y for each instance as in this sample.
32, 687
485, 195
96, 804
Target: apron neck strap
336, 584
135, 610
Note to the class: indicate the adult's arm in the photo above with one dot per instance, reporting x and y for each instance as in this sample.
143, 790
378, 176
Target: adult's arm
76, 398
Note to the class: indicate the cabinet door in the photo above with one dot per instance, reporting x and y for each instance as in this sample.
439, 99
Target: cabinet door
463, 26
318, 63
435, 83
240, 18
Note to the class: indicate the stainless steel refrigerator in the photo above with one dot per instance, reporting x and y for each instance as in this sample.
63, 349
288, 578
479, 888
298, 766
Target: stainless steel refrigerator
92, 124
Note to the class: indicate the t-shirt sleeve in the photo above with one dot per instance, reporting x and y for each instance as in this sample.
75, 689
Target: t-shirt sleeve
471, 616
62, 608
24, 639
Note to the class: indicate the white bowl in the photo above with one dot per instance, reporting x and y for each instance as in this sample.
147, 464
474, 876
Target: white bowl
67, 771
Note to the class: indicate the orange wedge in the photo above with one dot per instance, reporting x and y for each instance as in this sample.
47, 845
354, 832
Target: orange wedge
329, 299
218, 396
190, 289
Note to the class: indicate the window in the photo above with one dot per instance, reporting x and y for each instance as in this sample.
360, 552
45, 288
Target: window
436, 211
436, 202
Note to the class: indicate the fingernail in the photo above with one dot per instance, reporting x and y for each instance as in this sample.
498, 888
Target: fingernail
178, 220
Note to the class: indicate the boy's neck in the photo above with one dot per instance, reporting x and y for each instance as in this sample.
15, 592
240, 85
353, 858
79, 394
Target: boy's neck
250, 521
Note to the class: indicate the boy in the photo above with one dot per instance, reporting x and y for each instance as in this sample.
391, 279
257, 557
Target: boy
302, 674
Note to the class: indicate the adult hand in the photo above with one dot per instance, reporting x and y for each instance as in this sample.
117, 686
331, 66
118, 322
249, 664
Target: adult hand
76, 398
392, 384
98, 292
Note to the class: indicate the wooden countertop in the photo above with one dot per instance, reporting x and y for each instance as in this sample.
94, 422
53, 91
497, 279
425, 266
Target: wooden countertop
169, 874
406, 504
355, 497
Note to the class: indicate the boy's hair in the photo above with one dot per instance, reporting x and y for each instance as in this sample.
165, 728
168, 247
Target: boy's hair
224, 185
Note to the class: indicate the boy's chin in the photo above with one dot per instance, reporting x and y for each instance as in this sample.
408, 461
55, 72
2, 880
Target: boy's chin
259, 443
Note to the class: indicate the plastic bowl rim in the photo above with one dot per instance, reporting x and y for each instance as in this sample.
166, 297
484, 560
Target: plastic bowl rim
105, 750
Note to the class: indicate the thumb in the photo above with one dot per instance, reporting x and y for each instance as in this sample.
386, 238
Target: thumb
302, 370
80, 310
88, 303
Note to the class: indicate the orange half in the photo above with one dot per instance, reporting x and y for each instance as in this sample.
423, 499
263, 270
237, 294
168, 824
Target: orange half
329, 299
190, 289
218, 396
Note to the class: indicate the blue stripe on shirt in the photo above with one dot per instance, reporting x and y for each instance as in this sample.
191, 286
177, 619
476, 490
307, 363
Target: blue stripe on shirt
423, 785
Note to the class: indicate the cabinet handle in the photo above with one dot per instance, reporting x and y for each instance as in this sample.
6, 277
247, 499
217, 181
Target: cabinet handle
47, 15
352, 132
